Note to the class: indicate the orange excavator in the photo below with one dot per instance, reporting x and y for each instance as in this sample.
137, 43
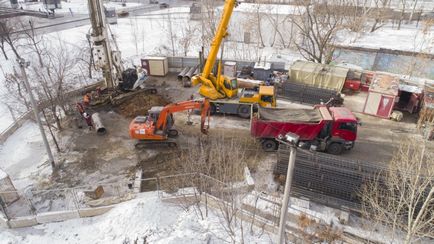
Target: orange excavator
158, 127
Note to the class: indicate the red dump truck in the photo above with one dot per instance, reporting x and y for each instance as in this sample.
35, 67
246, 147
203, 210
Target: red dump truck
329, 129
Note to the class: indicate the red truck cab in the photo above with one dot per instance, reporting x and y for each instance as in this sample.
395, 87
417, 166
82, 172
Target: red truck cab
329, 129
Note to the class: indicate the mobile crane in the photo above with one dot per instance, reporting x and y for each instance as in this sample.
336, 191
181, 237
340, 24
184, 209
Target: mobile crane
222, 90
158, 127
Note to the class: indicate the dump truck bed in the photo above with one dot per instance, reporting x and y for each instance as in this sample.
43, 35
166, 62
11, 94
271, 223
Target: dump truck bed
270, 123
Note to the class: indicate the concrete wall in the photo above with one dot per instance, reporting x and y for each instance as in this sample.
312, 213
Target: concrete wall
392, 61
49, 217
176, 64
3, 222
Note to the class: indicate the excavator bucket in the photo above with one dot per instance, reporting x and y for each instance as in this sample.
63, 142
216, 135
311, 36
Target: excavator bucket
204, 116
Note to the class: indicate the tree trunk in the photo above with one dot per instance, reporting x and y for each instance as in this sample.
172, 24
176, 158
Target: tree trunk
51, 131
2, 47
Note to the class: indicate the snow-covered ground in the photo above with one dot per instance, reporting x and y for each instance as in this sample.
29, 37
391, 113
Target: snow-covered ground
408, 38
145, 217
23, 156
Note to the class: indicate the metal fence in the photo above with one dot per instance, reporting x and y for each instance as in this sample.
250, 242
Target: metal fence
306, 94
328, 179
178, 63
34, 202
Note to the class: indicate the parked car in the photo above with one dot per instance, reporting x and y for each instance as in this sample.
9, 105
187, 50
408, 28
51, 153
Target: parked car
164, 5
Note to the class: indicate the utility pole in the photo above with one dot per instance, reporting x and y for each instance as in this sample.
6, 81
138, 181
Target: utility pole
291, 140
23, 66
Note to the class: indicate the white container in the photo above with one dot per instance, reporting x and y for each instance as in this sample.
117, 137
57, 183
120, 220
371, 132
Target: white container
230, 69
156, 66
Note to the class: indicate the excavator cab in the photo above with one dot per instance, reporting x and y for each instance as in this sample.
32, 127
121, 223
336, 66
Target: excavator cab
154, 114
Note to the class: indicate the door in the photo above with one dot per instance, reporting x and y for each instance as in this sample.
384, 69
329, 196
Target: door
385, 107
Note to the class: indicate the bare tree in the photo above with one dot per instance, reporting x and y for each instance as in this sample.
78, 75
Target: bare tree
9, 36
402, 197
380, 6
317, 30
187, 37
218, 165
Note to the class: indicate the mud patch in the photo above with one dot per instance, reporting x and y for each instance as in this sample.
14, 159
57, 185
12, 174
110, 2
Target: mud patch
140, 104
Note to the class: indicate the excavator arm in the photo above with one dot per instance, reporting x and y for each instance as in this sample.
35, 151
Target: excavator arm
216, 87
202, 104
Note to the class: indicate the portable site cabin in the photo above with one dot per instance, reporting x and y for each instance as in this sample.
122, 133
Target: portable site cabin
155, 66
318, 75
382, 94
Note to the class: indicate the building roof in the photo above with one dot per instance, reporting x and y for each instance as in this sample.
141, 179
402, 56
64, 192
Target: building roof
384, 84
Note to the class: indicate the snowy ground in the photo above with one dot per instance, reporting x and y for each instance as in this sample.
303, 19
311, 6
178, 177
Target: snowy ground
23, 156
145, 217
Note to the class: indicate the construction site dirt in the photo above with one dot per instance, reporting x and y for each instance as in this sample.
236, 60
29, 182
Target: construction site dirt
88, 158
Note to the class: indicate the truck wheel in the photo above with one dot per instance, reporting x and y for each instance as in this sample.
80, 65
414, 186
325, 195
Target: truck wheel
244, 111
269, 145
172, 133
335, 148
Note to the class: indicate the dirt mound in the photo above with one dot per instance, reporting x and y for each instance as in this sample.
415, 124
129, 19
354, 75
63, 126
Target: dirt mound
140, 104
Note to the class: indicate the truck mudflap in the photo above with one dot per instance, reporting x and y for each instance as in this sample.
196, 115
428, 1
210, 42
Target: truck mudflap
348, 145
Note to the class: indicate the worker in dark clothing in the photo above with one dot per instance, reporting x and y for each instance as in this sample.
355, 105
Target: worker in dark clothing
80, 108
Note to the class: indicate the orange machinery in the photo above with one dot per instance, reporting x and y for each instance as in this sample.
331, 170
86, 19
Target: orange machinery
157, 127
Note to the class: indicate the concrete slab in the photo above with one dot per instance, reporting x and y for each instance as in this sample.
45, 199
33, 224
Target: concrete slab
90, 212
3, 222
50, 217
20, 222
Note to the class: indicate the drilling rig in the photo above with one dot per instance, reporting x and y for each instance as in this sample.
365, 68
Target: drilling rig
117, 79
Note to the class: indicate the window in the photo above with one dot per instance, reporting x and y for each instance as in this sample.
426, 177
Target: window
351, 126
268, 99
227, 85
234, 84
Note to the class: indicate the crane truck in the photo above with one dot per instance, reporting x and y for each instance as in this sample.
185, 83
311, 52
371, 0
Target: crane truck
324, 128
223, 92
158, 127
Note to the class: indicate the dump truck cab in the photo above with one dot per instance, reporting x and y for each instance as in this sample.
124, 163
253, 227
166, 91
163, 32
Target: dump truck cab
344, 125
265, 96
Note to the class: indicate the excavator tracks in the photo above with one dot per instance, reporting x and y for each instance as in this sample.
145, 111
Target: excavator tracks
144, 144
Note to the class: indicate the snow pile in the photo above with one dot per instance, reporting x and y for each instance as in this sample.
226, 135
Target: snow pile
146, 217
